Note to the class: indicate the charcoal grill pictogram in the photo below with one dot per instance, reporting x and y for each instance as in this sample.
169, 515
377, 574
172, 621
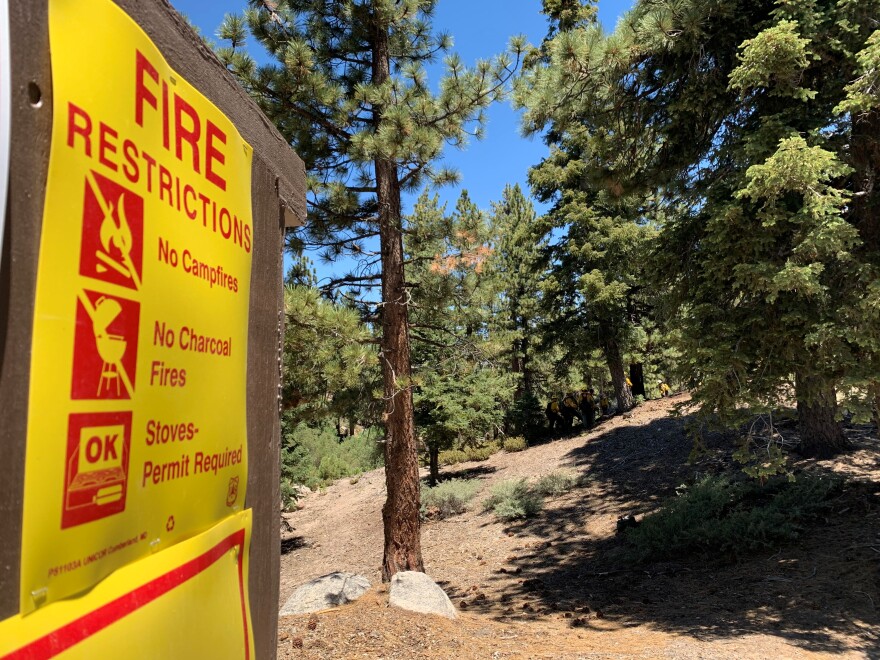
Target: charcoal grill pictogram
106, 342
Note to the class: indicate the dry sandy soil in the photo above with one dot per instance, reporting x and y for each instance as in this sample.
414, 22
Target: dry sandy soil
557, 586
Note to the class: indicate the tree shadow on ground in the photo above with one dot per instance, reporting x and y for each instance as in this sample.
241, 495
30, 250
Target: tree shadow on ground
827, 582
291, 543
477, 472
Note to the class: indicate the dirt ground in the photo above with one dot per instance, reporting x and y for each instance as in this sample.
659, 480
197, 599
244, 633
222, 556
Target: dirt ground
556, 586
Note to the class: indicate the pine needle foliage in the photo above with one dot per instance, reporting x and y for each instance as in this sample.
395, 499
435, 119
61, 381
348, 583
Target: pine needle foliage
754, 127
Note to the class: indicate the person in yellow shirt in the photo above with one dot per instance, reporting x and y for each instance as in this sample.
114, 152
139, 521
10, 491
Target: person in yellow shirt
604, 404
664, 389
570, 410
554, 415
588, 407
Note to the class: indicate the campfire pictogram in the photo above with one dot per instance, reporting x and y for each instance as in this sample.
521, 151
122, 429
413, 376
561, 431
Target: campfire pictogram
115, 235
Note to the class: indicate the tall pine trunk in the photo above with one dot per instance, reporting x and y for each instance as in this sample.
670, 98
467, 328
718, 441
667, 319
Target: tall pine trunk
865, 153
521, 367
874, 397
527, 379
434, 463
400, 515
821, 434
614, 359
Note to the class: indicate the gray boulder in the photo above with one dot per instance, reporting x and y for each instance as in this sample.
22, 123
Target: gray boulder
414, 591
325, 592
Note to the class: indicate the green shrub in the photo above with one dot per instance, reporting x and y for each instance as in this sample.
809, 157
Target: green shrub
516, 443
332, 467
482, 453
452, 456
555, 483
513, 500
448, 498
314, 456
731, 518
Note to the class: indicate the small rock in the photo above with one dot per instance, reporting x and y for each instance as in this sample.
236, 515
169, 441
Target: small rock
327, 591
416, 592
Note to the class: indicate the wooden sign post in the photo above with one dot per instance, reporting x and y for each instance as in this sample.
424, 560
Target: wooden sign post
140, 330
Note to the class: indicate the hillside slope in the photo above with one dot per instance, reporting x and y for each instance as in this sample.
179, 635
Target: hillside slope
557, 586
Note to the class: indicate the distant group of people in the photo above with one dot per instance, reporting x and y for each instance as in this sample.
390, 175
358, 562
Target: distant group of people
583, 405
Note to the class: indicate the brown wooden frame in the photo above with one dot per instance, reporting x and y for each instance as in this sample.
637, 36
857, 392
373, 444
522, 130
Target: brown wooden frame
278, 193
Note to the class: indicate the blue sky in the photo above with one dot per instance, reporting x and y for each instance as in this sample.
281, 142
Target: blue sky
480, 29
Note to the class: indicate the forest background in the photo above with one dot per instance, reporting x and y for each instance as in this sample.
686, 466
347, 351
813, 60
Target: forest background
708, 213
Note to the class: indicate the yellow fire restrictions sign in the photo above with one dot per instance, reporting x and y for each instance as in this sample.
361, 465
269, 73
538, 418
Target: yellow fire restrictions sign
136, 424
190, 601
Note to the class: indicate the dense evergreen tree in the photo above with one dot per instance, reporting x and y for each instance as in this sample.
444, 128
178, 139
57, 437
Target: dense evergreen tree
598, 262
349, 92
329, 358
596, 272
517, 268
753, 121
460, 384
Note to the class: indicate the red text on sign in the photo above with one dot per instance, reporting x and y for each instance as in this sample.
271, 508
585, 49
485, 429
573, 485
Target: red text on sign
186, 125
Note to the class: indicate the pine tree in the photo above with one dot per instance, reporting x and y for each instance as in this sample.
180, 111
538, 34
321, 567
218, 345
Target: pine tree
755, 115
517, 266
459, 381
350, 94
329, 357
603, 234
596, 278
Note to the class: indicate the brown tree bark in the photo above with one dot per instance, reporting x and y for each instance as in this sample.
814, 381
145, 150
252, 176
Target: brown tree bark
400, 514
520, 366
865, 154
614, 359
875, 409
434, 464
821, 434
